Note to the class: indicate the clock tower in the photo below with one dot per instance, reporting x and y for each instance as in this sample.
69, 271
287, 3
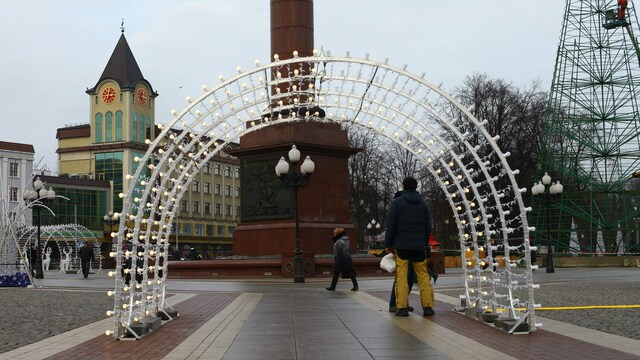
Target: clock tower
122, 116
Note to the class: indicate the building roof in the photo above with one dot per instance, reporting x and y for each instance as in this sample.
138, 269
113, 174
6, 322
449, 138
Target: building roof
76, 131
123, 68
11, 146
62, 181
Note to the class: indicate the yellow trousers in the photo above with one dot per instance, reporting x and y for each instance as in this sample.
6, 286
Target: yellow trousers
402, 287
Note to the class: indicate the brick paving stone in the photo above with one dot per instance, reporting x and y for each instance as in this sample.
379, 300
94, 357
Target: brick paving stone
194, 312
540, 344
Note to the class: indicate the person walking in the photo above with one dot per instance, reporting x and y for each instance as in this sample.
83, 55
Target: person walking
86, 256
32, 258
407, 235
342, 260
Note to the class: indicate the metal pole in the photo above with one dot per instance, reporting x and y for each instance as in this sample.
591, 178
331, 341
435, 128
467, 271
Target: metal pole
298, 271
550, 268
39, 273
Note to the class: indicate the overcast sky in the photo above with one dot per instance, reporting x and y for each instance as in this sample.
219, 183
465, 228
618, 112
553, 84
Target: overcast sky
52, 51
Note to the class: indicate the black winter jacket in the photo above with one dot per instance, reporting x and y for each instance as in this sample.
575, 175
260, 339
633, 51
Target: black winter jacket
408, 223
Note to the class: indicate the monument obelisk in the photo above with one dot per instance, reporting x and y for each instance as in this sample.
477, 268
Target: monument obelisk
267, 221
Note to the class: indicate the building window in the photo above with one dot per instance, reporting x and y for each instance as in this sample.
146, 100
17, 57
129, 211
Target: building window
217, 209
216, 169
227, 190
13, 169
183, 205
13, 194
142, 128
220, 230
98, 129
216, 189
237, 191
198, 229
236, 173
186, 230
206, 168
134, 127
196, 207
227, 171
210, 230
195, 186
207, 208
237, 210
119, 124
108, 127
109, 167
227, 210
207, 188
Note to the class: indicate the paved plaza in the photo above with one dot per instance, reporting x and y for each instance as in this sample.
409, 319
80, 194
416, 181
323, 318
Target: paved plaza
276, 319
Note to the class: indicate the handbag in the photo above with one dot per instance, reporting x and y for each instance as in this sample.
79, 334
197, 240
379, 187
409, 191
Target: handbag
388, 263
349, 274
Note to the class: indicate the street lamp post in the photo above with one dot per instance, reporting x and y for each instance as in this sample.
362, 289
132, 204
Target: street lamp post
446, 233
548, 193
38, 196
110, 219
294, 181
370, 226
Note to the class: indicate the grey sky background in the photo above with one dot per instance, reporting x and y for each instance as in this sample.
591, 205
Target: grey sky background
52, 51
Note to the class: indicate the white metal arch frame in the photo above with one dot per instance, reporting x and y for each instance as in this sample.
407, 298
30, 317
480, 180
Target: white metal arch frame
394, 103
63, 235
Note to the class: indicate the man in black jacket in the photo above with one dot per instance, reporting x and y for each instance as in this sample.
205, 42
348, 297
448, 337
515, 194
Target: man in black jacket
407, 235
86, 256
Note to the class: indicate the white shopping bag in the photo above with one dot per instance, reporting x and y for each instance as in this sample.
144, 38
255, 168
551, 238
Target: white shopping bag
388, 263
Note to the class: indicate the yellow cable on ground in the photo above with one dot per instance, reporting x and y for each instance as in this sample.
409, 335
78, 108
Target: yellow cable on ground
585, 307
637, 306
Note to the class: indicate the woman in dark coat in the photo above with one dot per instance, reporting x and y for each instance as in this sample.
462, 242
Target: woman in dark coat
342, 260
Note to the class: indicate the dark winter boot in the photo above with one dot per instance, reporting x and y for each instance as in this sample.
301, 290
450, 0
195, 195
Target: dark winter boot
355, 284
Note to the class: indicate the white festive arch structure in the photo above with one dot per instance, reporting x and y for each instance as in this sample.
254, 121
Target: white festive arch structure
454, 147
68, 239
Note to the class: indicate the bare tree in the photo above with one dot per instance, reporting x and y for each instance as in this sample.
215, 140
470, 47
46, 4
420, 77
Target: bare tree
515, 114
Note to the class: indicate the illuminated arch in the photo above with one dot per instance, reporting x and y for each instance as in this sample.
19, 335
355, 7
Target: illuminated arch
455, 148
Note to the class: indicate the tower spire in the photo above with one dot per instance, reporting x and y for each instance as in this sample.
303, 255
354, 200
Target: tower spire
122, 26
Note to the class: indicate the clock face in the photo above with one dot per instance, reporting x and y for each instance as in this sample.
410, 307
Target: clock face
141, 96
108, 95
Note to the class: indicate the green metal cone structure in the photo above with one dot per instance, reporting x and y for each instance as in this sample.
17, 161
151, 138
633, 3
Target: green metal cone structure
590, 138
